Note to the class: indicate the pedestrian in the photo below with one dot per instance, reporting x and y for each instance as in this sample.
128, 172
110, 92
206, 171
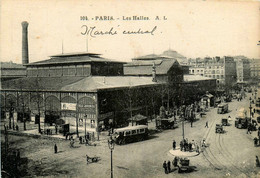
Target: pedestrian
165, 167
191, 123
255, 141
248, 129
169, 166
229, 119
254, 110
181, 145
175, 161
203, 143
174, 144
207, 125
198, 149
17, 127
190, 146
56, 129
55, 149
201, 114
257, 161
80, 140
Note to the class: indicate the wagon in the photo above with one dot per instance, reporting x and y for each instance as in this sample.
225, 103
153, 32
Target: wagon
224, 121
184, 165
219, 128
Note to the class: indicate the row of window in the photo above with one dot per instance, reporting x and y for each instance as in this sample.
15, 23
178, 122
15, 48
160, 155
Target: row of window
59, 71
215, 76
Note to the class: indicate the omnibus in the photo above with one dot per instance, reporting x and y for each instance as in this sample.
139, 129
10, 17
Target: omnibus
130, 134
242, 119
222, 108
257, 106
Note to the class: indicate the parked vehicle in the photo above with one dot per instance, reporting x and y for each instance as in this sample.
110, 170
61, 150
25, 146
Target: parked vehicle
224, 122
130, 134
241, 123
242, 119
184, 165
165, 123
222, 108
219, 128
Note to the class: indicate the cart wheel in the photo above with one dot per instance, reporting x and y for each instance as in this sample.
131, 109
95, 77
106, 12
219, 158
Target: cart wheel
218, 130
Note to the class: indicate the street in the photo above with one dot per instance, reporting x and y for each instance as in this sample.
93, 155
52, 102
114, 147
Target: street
230, 154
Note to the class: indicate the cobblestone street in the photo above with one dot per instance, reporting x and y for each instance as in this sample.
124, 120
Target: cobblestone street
227, 154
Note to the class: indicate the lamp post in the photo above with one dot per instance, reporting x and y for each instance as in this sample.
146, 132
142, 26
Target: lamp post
250, 107
85, 124
111, 145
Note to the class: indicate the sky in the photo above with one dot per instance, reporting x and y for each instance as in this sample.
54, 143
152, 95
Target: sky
193, 28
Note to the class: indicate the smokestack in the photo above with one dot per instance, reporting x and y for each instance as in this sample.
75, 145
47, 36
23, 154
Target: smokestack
25, 56
154, 73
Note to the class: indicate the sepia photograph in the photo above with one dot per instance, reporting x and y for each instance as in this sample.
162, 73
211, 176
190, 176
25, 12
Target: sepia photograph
135, 89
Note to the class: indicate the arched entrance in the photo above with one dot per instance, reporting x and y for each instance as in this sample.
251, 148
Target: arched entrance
86, 108
23, 110
11, 108
52, 109
68, 110
2, 103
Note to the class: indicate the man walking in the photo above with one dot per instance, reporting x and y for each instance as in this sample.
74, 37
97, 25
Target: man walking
207, 125
165, 167
55, 149
174, 144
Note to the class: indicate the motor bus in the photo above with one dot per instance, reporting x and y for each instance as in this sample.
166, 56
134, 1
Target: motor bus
257, 106
222, 108
242, 119
130, 134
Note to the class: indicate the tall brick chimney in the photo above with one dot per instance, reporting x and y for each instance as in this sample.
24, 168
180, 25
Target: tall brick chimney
25, 56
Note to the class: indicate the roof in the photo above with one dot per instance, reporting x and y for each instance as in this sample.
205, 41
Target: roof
191, 78
11, 65
96, 83
75, 54
77, 84
173, 54
145, 67
72, 58
43, 83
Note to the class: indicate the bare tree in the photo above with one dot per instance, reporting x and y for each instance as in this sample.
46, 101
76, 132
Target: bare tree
37, 99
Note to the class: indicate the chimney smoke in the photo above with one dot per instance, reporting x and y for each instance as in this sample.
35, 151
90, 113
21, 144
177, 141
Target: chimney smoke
25, 56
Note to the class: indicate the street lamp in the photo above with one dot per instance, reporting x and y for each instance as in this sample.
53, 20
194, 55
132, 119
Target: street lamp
111, 145
250, 107
85, 124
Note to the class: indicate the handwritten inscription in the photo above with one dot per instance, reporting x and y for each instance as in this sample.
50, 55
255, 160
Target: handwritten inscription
93, 31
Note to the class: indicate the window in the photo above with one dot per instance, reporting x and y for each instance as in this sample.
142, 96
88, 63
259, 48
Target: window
141, 130
127, 133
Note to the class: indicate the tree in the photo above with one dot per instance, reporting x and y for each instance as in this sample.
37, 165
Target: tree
37, 99
22, 102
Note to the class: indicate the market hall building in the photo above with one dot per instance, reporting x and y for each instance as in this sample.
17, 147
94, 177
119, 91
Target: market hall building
77, 89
